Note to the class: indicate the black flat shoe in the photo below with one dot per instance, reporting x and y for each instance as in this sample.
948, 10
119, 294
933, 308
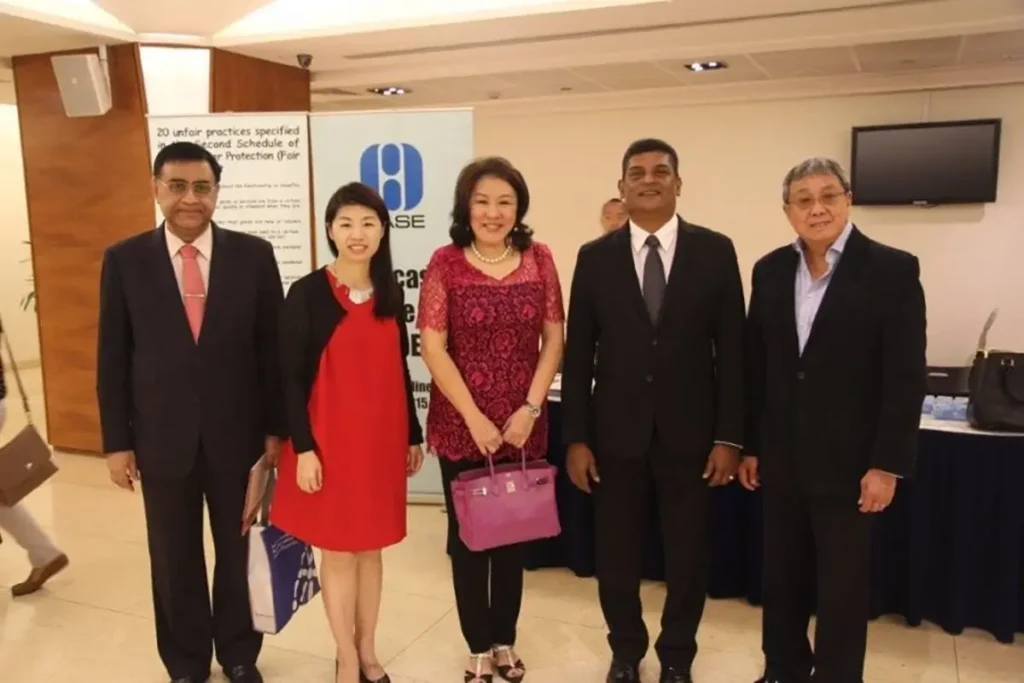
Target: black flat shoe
622, 672
244, 673
513, 673
672, 675
363, 678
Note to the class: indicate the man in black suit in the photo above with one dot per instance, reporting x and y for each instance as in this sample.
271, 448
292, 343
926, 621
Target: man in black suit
660, 413
836, 352
189, 397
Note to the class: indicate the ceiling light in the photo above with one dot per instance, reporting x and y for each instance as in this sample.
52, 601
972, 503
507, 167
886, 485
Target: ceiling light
707, 66
390, 91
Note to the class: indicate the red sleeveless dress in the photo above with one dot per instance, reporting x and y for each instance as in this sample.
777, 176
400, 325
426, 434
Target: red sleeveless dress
359, 418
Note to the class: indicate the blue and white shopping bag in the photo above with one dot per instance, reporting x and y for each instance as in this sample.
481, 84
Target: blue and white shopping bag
282, 577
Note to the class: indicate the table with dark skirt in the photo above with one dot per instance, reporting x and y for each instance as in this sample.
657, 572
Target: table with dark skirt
949, 550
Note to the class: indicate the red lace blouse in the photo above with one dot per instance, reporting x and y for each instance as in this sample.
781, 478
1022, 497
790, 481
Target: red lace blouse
494, 327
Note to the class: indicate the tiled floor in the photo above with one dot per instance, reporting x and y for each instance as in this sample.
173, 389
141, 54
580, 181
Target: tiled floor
94, 622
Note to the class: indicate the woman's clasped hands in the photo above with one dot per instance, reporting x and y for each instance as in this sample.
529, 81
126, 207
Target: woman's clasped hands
489, 439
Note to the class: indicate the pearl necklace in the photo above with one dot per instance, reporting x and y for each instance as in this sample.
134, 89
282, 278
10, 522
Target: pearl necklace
489, 260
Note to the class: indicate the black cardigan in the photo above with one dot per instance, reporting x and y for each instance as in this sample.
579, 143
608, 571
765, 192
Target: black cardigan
310, 315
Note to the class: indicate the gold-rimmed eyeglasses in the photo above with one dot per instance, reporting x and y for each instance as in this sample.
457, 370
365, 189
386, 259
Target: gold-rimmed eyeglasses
180, 188
828, 199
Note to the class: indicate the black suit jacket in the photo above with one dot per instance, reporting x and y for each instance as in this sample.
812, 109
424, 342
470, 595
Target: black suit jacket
852, 400
311, 314
683, 376
161, 393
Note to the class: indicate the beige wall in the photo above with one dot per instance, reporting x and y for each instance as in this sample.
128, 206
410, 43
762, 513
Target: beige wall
14, 273
733, 158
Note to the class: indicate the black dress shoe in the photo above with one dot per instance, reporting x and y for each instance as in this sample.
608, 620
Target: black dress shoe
672, 675
622, 672
244, 673
191, 679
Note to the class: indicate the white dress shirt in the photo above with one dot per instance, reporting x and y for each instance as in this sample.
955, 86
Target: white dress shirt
204, 243
666, 235
810, 292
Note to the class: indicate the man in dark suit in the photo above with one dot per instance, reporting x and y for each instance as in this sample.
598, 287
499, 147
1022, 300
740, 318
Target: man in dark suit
836, 352
189, 398
660, 413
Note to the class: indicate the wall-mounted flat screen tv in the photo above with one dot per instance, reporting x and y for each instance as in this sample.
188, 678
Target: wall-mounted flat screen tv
952, 162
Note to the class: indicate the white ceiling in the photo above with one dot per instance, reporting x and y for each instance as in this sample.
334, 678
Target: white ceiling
456, 51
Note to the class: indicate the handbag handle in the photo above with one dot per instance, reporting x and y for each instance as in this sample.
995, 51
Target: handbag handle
494, 477
1006, 365
17, 375
983, 338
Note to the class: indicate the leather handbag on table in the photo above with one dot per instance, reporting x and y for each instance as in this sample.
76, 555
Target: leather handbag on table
26, 461
507, 504
997, 387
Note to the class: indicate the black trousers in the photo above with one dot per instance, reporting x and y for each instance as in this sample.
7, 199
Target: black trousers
488, 584
186, 628
624, 501
822, 541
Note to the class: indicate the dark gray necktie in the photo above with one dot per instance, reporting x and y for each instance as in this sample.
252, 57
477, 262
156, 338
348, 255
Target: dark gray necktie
654, 278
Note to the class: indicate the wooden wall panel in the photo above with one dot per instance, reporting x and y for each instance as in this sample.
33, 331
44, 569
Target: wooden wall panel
88, 185
246, 84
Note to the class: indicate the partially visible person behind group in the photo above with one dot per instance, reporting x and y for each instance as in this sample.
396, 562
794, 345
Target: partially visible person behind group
613, 214
354, 434
487, 299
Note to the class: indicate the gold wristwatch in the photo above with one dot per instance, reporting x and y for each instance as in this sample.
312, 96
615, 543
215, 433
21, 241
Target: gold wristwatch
533, 410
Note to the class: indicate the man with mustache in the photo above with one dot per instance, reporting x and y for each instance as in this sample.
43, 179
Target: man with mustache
836, 353
660, 414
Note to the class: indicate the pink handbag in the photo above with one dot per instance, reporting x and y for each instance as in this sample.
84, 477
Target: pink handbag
510, 503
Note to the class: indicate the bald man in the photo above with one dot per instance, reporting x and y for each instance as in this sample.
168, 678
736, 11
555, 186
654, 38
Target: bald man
613, 214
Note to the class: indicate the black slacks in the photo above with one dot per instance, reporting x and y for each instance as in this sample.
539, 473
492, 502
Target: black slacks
488, 584
186, 628
808, 541
624, 500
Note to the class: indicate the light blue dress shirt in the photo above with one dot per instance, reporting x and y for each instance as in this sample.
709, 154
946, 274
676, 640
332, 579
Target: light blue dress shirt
811, 292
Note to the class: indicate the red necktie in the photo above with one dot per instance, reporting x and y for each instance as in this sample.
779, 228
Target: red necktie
194, 289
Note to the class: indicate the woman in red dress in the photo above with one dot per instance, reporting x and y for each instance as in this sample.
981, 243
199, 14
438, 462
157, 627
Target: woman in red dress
354, 433
491, 318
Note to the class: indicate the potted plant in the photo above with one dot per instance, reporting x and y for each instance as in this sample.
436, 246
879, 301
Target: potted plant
29, 300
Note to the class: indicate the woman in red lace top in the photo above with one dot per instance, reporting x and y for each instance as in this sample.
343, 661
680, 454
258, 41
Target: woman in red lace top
491, 319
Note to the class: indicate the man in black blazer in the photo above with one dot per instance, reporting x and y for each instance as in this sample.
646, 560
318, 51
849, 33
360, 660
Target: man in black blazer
658, 418
190, 398
836, 352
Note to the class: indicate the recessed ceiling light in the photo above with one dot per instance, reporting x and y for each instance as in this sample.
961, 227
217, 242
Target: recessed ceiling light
707, 66
390, 91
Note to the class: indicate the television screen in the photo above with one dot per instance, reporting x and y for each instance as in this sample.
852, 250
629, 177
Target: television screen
955, 162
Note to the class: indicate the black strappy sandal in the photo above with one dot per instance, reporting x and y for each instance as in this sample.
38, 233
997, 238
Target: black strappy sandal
477, 675
514, 672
